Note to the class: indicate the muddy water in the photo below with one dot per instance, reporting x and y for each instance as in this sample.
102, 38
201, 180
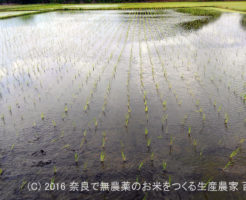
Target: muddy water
91, 83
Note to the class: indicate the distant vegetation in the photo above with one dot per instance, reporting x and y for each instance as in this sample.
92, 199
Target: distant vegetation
199, 11
205, 8
85, 1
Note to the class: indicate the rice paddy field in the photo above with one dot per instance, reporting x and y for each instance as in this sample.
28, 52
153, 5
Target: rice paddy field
146, 96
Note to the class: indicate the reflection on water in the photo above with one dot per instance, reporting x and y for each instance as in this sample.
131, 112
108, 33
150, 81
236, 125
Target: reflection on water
197, 24
243, 21
81, 92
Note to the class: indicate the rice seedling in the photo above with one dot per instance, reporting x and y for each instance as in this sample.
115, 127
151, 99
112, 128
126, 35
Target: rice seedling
227, 165
145, 196
166, 129
194, 142
23, 184
104, 134
189, 131
76, 158
12, 147
148, 142
234, 153
102, 157
146, 108
164, 165
54, 170
145, 96
52, 183
66, 109
164, 104
82, 142
152, 156
85, 166
1, 171
241, 141
145, 102
85, 133
219, 109
127, 120
42, 116
54, 123
203, 117
2, 117
63, 116
169, 180
103, 142
140, 166
66, 146
226, 119
164, 118
123, 156
160, 137
171, 141
129, 109
146, 131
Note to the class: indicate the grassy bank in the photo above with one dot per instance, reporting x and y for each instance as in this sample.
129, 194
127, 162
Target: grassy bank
220, 6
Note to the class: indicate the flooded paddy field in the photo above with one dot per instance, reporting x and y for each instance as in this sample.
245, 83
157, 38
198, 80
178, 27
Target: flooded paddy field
138, 96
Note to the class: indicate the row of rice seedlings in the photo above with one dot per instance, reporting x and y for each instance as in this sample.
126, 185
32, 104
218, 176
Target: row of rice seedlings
99, 77
233, 154
89, 73
42, 115
128, 89
109, 85
226, 118
170, 87
83, 140
103, 154
179, 101
229, 75
128, 78
146, 109
94, 88
106, 96
164, 102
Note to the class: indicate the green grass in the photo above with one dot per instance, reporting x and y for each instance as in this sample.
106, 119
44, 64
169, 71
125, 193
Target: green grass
211, 7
